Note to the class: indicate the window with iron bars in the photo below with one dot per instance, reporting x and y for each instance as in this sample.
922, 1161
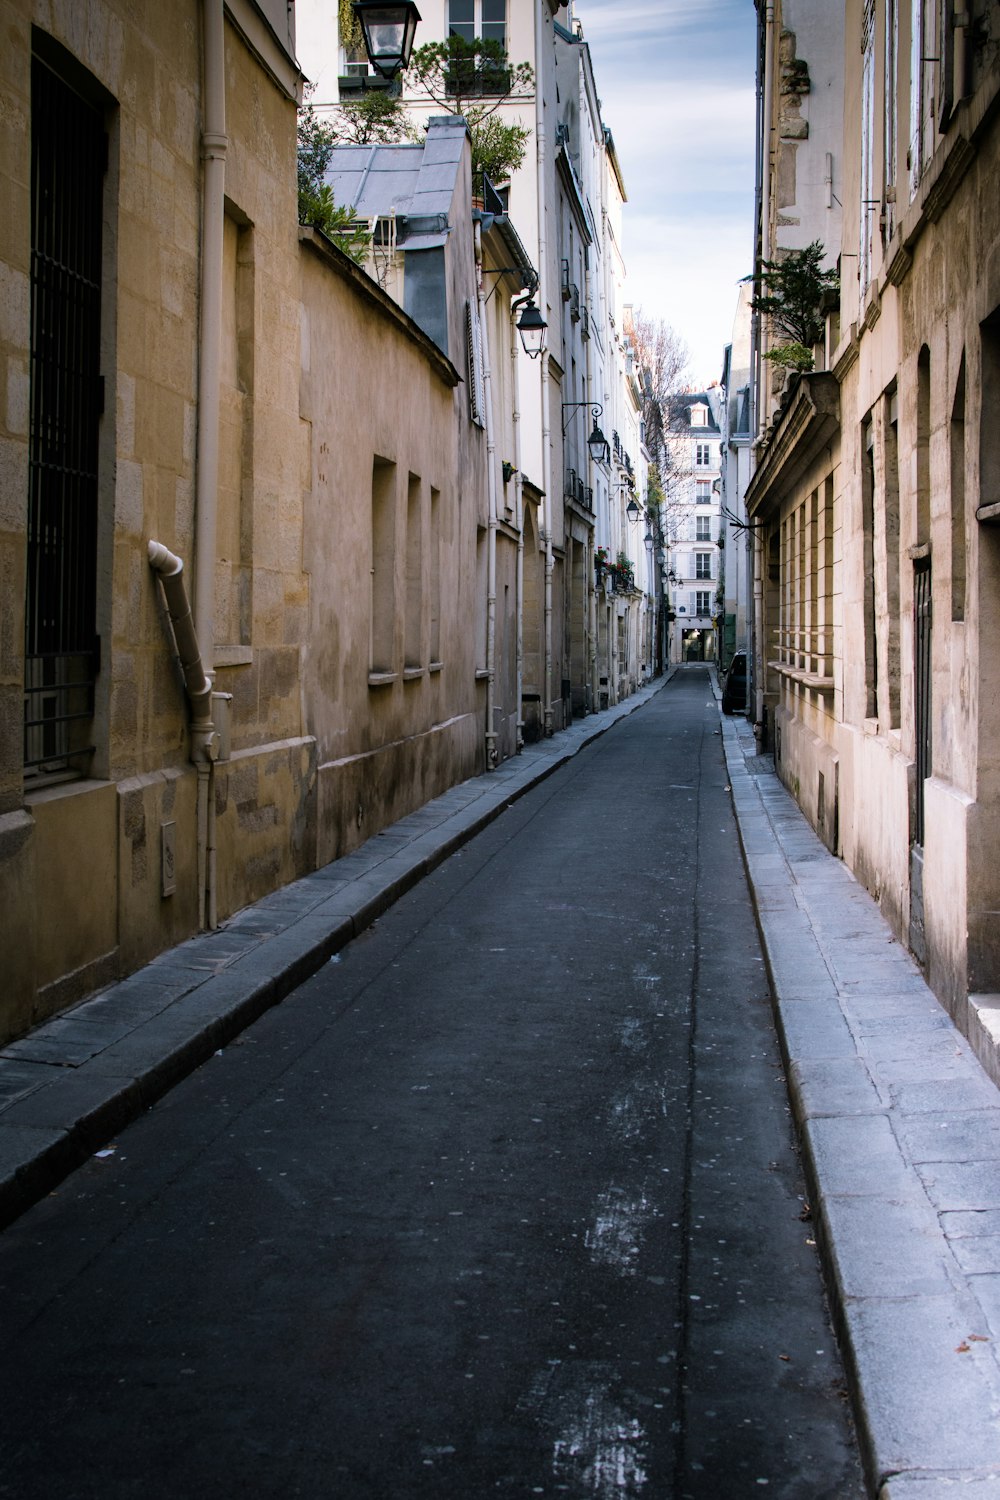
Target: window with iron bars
68, 162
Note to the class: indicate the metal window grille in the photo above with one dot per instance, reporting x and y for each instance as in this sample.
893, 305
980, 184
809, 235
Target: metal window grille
68, 157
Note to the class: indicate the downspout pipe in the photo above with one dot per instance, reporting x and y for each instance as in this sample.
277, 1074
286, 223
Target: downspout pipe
196, 640
492, 708
765, 99
762, 229
204, 741
541, 149
214, 146
170, 570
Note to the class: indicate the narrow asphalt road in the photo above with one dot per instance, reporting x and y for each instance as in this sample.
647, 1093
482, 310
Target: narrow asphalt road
503, 1201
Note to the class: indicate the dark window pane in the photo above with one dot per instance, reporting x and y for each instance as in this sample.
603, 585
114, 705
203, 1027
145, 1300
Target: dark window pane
494, 15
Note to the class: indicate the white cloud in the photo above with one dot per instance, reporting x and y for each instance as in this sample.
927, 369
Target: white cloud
678, 93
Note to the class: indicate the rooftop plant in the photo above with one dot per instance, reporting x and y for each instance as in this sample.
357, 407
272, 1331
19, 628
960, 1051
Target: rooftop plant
793, 293
317, 208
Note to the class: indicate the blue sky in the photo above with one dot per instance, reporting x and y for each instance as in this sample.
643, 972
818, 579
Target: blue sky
676, 83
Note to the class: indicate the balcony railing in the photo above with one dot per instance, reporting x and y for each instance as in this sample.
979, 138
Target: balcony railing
469, 80
575, 489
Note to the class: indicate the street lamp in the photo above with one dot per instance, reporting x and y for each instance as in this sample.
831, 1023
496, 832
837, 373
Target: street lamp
633, 509
531, 326
600, 448
388, 30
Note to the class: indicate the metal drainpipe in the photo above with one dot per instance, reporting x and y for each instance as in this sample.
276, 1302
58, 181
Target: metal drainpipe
204, 741
518, 514
756, 651
540, 149
491, 490
214, 145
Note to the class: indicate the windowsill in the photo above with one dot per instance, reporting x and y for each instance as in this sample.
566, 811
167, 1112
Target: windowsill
436, 666
814, 680
50, 791
413, 674
482, 674
381, 679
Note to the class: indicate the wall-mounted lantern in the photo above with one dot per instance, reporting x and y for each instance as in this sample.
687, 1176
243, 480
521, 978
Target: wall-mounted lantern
531, 326
388, 30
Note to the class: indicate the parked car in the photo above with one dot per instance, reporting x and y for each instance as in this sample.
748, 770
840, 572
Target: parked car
734, 685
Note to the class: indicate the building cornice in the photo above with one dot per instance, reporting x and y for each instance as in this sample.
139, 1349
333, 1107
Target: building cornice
807, 425
271, 51
574, 193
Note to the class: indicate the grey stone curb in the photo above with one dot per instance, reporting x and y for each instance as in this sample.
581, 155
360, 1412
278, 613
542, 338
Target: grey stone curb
900, 1133
73, 1082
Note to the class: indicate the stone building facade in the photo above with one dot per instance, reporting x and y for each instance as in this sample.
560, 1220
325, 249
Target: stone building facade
104, 844
694, 520
238, 569
874, 499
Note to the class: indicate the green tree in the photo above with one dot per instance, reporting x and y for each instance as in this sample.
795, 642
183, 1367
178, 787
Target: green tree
794, 296
374, 118
317, 208
474, 79
351, 38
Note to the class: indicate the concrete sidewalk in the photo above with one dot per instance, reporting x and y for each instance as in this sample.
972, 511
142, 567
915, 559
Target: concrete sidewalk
900, 1131
900, 1126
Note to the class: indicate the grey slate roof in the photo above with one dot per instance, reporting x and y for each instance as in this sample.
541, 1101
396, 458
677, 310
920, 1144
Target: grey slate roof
417, 181
680, 413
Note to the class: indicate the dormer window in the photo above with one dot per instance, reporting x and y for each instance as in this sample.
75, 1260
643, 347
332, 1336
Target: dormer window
699, 415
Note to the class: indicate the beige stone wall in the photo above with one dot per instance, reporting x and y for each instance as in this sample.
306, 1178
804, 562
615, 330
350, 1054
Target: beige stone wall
81, 863
915, 361
396, 727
